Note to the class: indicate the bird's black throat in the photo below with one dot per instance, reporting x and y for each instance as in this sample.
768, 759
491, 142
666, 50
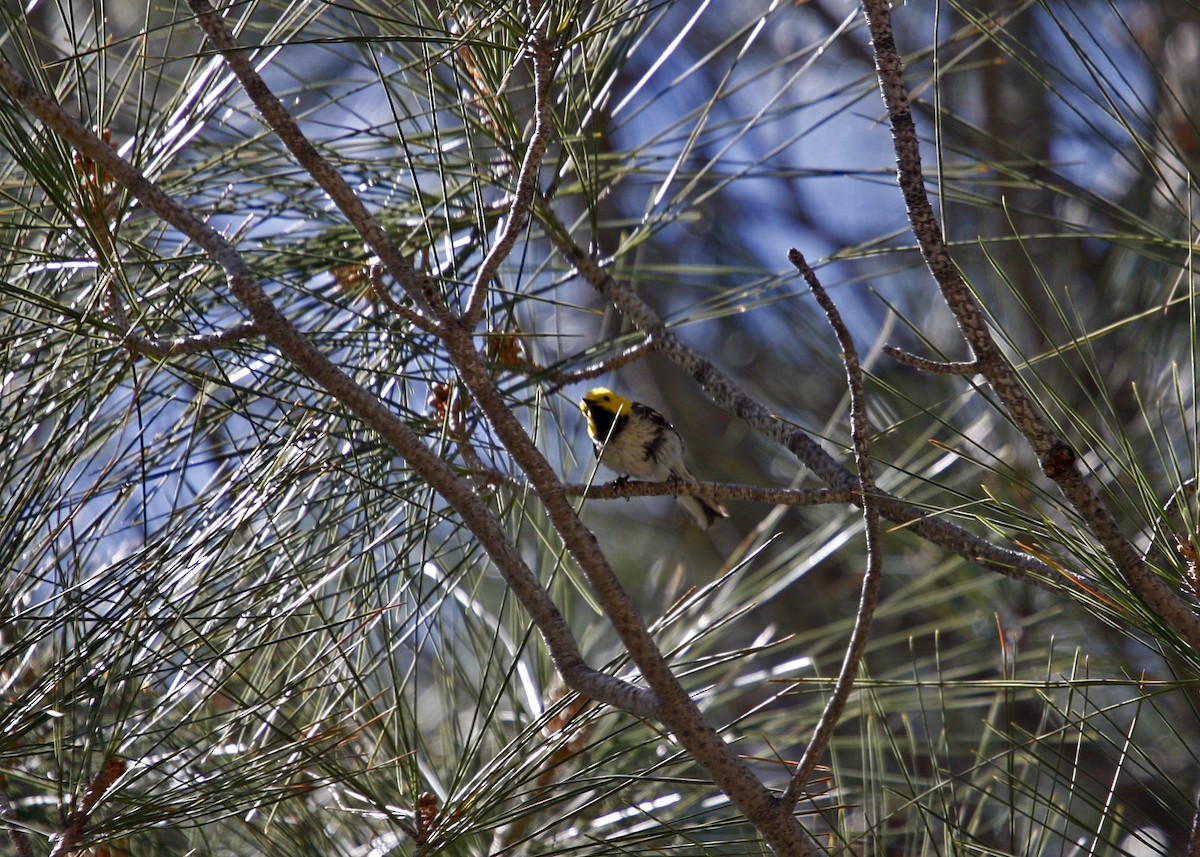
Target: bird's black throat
607, 425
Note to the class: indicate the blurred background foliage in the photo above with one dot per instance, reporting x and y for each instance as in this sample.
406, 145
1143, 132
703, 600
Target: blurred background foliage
214, 575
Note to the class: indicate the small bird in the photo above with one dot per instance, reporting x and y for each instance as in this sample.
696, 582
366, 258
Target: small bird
637, 441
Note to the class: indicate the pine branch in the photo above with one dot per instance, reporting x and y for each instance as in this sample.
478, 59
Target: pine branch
541, 52
1058, 461
419, 287
666, 699
155, 346
68, 842
314, 364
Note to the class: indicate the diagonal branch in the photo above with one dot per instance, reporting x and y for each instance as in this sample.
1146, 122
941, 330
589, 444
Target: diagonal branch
68, 842
518, 213
155, 346
857, 645
937, 367
667, 699
601, 367
1056, 457
299, 349
418, 286
714, 490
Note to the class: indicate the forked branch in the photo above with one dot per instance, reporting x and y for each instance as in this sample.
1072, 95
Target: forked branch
1058, 460
666, 699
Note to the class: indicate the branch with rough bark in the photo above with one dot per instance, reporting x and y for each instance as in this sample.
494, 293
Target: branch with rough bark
277, 330
1058, 461
727, 394
69, 842
666, 699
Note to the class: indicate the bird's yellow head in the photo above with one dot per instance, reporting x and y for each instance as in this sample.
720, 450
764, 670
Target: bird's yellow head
606, 400
602, 407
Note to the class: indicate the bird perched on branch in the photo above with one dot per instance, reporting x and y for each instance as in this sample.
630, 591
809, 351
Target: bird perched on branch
636, 440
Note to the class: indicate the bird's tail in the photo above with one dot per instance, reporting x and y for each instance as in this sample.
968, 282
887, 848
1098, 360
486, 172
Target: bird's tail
704, 512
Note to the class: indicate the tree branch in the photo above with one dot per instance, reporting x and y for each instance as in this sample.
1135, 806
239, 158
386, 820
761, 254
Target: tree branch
624, 489
279, 331
714, 490
68, 843
667, 699
542, 54
602, 367
418, 286
1058, 460
857, 644
155, 346
938, 367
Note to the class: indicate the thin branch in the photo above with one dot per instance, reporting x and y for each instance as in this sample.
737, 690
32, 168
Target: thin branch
380, 292
714, 490
666, 700
314, 364
155, 346
857, 644
725, 393
938, 367
602, 367
542, 51
623, 490
1058, 460
419, 287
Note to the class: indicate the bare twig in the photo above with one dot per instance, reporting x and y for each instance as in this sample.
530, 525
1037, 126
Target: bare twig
68, 843
279, 331
857, 644
594, 370
1058, 460
938, 367
542, 54
155, 346
716, 490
